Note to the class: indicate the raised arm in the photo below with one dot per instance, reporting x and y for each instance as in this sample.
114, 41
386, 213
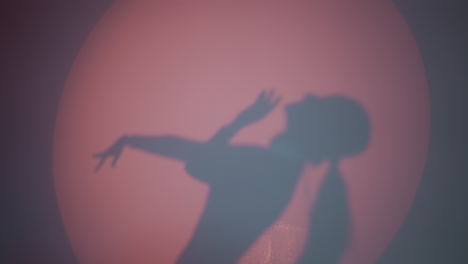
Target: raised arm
167, 146
264, 104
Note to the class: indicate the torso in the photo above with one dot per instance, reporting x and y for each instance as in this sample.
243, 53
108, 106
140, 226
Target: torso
249, 188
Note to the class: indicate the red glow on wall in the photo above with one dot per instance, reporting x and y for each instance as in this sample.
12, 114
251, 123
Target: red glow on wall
187, 69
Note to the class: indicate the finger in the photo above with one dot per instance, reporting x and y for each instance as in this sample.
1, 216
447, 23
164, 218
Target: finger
116, 158
101, 162
276, 101
270, 94
262, 95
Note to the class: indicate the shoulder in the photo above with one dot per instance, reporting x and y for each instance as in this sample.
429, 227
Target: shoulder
229, 156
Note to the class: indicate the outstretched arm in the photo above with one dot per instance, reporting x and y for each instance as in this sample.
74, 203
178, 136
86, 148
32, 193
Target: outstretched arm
183, 149
168, 146
264, 104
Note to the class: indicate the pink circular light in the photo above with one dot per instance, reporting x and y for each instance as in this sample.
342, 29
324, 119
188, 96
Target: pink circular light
187, 69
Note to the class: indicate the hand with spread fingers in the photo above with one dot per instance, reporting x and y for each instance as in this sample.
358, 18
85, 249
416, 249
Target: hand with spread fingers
264, 104
114, 152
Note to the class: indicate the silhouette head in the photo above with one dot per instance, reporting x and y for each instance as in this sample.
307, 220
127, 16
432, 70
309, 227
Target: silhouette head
326, 128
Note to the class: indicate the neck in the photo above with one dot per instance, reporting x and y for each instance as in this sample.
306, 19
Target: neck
281, 146
333, 169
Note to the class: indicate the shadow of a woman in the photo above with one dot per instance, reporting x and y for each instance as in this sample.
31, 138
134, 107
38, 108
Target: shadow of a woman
250, 185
